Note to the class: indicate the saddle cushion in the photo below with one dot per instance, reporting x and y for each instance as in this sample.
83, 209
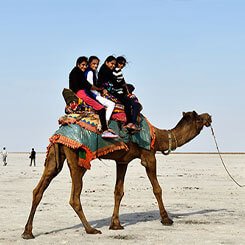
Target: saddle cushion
75, 105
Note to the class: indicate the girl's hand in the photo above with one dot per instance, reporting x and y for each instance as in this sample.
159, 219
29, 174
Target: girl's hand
104, 92
96, 88
131, 96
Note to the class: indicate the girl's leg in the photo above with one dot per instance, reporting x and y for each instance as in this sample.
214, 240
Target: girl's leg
103, 119
88, 100
136, 107
127, 106
108, 104
96, 105
100, 110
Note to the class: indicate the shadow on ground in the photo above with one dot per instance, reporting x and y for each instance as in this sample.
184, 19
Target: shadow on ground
128, 219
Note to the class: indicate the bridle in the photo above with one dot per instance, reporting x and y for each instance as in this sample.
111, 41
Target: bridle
171, 136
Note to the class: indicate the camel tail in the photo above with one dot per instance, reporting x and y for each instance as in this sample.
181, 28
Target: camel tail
54, 155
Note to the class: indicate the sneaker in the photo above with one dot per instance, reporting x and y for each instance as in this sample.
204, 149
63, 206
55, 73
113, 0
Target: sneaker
108, 134
132, 127
128, 126
111, 130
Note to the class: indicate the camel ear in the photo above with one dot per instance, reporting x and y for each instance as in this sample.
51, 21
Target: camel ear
194, 113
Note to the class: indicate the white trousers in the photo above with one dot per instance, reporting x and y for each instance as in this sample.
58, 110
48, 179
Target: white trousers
107, 103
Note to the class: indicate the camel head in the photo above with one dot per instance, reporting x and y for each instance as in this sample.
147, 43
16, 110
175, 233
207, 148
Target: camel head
186, 129
200, 120
189, 127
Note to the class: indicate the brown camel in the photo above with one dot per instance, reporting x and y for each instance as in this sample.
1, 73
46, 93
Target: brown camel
187, 128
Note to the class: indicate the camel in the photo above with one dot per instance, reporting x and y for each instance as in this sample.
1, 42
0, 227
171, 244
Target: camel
186, 129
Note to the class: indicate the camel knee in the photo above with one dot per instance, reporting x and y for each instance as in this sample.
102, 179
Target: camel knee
157, 191
48, 175
76, 205
37, 195
118, 193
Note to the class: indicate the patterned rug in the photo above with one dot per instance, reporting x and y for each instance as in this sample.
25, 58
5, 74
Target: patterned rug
81, 132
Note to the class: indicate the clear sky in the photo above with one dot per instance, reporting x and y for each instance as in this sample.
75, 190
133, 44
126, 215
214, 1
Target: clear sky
183, 55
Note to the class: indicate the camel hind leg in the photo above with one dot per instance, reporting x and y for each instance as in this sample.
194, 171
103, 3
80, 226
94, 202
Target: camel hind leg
149, 161
53, 165
77, 174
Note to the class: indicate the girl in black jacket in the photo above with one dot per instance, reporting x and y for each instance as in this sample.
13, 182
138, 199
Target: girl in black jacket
108, 81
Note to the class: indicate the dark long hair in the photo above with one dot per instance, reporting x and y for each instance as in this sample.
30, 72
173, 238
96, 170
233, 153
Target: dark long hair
93, 57
81, 59
121, 60
110, 58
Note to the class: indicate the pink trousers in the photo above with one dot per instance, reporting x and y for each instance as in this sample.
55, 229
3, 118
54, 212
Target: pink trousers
88, 100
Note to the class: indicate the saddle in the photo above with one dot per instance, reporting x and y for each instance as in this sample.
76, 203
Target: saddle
75, 105
80, 130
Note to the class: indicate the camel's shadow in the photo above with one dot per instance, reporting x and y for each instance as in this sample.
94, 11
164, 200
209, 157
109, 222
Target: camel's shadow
128, 219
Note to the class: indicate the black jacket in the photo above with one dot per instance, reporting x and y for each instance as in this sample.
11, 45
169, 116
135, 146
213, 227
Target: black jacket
33, 154
77, 80
107, 80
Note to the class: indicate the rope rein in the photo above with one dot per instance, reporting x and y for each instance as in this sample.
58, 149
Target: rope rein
170, 143
222, 159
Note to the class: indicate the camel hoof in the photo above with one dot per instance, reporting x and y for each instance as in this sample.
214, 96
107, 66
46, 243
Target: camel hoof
26, 235
93, 231
116, 227
167, 222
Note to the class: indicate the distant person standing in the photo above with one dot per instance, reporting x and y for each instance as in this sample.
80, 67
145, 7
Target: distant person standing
33, 157
4, 154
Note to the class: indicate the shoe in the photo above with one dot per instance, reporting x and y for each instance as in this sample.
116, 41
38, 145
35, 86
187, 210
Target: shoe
108, 134
111, 130
132, 127
128, 126
135, 128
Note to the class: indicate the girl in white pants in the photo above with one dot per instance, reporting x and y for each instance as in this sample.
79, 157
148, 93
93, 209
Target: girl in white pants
91, 75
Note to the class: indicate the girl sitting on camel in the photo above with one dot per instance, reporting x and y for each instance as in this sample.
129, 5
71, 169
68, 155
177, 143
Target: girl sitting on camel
116, 86
82, 88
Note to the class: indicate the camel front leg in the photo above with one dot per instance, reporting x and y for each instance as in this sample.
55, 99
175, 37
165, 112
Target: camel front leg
52, 168
157, 190
118, 194
77, 174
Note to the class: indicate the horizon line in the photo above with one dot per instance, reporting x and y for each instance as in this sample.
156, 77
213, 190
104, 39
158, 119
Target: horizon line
158, 152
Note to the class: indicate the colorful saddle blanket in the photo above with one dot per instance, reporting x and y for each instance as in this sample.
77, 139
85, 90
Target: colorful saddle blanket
75, 105
81, 132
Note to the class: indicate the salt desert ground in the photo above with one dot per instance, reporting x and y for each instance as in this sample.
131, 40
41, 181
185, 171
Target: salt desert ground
205, 205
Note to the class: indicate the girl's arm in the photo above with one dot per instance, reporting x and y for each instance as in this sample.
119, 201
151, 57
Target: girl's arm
90, 77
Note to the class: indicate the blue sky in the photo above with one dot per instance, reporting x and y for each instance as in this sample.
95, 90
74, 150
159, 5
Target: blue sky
183, 55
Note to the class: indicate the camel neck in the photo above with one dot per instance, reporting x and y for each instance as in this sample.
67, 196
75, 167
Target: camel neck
174, 138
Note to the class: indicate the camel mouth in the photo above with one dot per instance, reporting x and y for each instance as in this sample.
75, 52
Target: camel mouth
207, 120
208, 124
